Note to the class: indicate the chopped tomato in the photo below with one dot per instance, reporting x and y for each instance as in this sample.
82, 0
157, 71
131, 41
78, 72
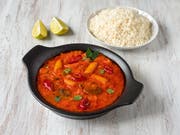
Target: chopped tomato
78, 77
75, 59
108, 69
84, 104
48, 84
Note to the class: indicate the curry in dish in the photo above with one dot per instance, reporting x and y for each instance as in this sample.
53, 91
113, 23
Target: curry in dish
78, 81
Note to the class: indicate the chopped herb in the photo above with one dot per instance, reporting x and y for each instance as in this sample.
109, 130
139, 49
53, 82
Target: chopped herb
67, 71
110, 91
84, 58
77, 97
101, 71
57, 98
95, 54
91, 54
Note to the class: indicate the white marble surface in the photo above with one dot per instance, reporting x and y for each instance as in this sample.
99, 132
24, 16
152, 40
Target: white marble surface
157, 110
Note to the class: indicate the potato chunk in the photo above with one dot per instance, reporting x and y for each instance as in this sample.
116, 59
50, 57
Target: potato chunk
91, 67
57, 65
101, 79
69, 82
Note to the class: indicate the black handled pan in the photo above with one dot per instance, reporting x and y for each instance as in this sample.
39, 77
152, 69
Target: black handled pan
39, 54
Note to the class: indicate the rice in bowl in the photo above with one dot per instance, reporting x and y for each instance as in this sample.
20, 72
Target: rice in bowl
121, 27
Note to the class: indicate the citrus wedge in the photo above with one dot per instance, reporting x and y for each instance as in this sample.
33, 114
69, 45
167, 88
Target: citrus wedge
39, 31
58, 27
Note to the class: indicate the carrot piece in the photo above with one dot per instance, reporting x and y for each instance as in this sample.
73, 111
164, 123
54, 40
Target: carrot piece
69, 82
99, 78
91, 67
57, 65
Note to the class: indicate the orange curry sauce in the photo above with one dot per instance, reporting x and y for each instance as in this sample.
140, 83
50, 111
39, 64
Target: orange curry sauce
75, 83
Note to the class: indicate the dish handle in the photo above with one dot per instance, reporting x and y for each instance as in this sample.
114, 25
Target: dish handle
131, 93
34, 53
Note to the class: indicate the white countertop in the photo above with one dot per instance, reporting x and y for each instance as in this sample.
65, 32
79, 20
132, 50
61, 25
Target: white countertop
157, 66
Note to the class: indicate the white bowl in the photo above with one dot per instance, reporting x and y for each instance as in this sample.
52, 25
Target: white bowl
155, 29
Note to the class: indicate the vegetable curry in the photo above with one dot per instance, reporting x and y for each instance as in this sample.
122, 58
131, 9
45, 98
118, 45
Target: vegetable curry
79, 81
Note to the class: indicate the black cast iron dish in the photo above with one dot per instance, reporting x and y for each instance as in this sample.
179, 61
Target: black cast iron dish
39, 54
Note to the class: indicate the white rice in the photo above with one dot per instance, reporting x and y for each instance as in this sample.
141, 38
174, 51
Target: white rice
121, 27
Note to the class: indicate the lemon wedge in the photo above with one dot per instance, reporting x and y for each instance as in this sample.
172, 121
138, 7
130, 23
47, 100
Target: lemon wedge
58, 27
39, 31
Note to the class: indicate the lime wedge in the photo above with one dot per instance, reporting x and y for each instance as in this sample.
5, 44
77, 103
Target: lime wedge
58, 27
39, 31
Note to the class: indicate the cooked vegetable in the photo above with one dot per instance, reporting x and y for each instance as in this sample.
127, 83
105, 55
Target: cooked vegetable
108, 69
64, 92
57, 98
84, 58
92, 88
67, 71
99, 78
110, 91
69, 82
81, 85
48, 84
84, 104
75, 59
57, 65
91, 67
77, 97
101, 71
91, 54
78, 77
